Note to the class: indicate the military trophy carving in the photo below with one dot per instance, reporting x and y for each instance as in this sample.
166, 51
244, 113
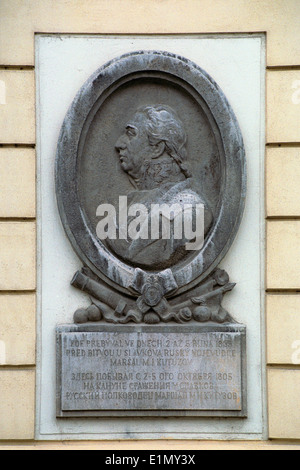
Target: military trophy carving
150, 183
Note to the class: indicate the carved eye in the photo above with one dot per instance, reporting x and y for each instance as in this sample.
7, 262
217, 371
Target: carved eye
130, 131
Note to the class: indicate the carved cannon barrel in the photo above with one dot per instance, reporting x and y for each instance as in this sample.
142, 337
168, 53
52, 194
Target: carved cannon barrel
101, 292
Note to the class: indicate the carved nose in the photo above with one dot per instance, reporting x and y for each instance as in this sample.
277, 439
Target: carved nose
120, 144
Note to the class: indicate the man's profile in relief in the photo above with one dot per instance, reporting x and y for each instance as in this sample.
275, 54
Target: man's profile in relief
152, 151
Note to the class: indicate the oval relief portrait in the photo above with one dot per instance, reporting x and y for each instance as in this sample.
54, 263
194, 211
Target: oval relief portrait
150, 176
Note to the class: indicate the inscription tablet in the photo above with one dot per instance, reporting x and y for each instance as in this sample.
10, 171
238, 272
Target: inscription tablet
153, 371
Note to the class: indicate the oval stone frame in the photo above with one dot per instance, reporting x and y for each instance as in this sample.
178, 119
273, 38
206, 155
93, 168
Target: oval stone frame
206, 92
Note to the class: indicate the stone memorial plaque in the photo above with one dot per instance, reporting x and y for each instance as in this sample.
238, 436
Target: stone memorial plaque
150, 185
168, 371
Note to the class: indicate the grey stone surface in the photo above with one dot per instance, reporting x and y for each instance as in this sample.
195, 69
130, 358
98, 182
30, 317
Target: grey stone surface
170, 370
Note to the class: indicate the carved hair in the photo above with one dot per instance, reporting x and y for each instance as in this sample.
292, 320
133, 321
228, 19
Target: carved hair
163, 125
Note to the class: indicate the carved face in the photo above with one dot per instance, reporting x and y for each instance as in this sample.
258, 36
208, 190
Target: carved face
133, 145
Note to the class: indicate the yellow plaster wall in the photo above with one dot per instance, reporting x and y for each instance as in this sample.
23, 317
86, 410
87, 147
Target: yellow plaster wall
19, 21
